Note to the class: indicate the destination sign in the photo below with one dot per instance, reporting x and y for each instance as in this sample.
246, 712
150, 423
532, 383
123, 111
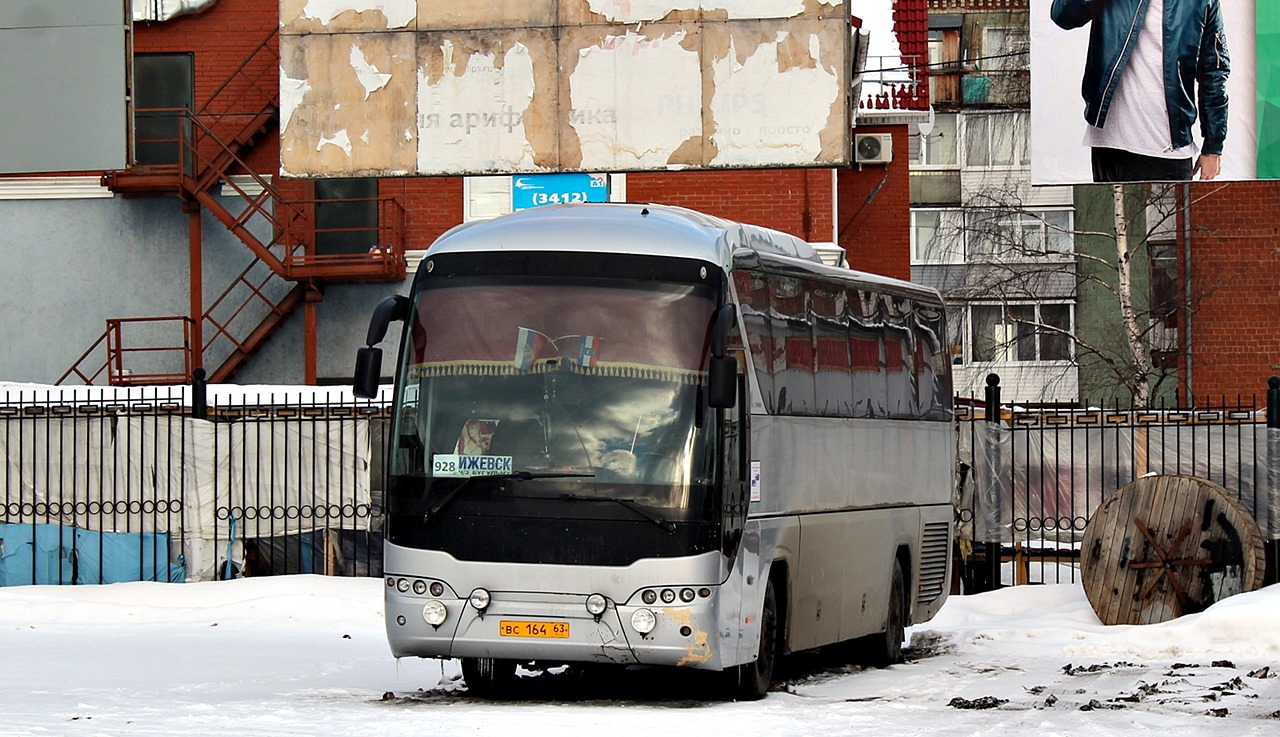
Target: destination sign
453, 465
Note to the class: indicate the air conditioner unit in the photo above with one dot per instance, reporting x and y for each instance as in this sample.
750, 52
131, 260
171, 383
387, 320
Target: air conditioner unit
872, 148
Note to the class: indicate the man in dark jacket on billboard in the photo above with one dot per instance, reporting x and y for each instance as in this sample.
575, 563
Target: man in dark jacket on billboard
1152, 66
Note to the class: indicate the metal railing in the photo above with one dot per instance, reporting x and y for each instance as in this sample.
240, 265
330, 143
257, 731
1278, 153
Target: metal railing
158, 356
100, 484
104, 485
1032, 477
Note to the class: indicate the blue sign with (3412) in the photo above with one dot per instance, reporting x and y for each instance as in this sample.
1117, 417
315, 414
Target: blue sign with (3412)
534, 190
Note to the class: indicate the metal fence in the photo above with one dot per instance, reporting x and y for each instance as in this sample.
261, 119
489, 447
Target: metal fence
1032, 477
102, 485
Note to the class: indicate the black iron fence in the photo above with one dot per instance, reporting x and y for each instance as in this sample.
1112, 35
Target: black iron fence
1032, 477
103, 485
148, 483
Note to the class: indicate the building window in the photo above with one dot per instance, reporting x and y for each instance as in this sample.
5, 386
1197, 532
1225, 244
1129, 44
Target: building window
346, 215
1005, 61
937, 236
162, 83
1035, 235
1164, 297
996, 140
940, 146
944, 65
1006, 333
954, 236
1006, 49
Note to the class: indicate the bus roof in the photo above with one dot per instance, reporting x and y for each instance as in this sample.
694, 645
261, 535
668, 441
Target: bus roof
657, 230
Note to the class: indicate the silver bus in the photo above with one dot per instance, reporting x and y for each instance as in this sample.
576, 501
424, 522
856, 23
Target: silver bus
637, 434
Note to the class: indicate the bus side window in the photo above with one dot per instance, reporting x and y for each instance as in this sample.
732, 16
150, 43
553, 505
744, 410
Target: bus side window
793, 345
833, 387
753, 302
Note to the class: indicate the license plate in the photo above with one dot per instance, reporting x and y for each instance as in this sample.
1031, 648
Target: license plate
509, 628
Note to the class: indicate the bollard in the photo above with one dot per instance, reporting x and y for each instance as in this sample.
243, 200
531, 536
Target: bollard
199, 395
1271, 550
993, 544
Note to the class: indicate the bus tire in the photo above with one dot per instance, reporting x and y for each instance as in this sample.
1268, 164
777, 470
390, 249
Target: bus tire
489, 678
885, 649
753, 679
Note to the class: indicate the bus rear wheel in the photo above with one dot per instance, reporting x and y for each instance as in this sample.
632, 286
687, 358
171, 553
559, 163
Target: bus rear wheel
489, 678
884, 649
751, 681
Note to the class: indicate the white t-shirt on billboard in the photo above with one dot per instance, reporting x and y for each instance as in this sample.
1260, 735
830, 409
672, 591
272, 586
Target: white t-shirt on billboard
1138, 118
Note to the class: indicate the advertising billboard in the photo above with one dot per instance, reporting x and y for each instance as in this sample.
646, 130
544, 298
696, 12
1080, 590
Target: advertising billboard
1154, 90
64, 85
410, 87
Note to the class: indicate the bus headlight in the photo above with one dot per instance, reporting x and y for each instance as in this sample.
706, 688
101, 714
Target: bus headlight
596, 604
433, 613
479, 599
643, 621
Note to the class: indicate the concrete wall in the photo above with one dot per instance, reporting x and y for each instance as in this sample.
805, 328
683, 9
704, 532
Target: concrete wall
69, 265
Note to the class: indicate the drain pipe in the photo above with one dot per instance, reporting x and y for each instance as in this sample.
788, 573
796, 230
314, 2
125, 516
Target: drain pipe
1186, 290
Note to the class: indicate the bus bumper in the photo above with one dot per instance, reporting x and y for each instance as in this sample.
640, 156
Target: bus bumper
554, 629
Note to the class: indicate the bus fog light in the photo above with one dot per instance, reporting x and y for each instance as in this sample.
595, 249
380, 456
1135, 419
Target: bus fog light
643, 621
479, 599
433, 613
596, 604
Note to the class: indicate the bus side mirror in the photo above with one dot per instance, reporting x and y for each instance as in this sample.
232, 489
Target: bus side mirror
725, 317
368, 372
722, 388
369, 359
389, 309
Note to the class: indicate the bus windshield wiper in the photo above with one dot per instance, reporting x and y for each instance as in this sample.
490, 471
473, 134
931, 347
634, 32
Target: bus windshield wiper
448, 498
527, 475
666, 525
516, 476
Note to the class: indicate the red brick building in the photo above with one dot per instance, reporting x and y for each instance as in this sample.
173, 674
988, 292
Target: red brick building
1235, 272
231, 45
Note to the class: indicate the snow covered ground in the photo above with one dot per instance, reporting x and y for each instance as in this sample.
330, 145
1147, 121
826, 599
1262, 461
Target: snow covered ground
306, 655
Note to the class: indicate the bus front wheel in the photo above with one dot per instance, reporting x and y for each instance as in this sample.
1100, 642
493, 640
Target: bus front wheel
489, 677
752, 680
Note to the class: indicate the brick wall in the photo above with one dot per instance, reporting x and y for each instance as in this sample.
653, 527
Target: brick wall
1235, 262
873, 211
873, 207
795, 201
221, 39
432, 206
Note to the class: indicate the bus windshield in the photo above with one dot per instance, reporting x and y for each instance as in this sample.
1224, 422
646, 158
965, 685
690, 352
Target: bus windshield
589, 386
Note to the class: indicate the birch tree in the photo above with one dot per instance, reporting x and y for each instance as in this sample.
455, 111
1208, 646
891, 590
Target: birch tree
1141, 355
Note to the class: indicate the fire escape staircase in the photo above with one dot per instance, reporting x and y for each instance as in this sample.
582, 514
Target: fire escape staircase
284, 270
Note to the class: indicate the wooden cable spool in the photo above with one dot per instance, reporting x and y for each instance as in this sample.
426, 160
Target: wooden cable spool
1164, 546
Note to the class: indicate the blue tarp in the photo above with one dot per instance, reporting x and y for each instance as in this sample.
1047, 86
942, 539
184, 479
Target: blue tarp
56, 554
